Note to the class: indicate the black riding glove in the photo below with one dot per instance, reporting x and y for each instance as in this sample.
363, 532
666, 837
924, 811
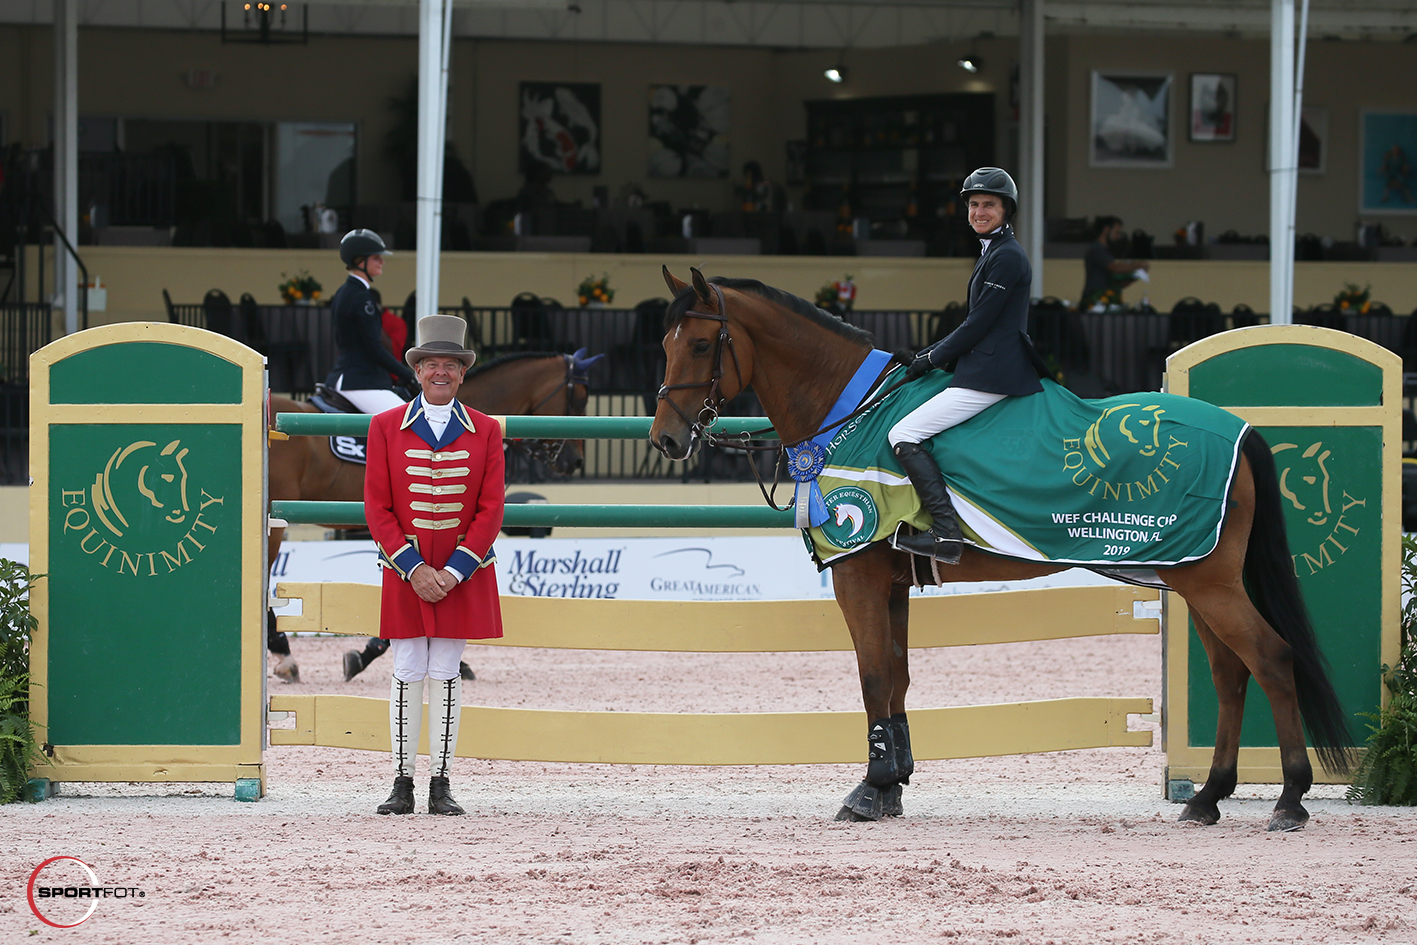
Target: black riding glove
919, 367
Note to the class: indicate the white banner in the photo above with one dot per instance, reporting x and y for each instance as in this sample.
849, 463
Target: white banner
717, 568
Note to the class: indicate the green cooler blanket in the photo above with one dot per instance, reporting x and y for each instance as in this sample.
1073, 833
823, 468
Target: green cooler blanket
1138, 480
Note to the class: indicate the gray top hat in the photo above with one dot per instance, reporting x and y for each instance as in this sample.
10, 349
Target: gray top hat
441, 336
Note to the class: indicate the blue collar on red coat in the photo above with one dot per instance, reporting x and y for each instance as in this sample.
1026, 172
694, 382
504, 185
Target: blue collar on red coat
414, 419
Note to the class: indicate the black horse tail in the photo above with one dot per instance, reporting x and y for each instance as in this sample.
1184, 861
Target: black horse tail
1274, 589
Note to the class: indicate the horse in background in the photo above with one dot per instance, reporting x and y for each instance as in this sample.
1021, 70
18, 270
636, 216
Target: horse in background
526, 383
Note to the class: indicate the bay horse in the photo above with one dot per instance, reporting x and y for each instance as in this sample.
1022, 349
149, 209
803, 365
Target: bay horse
524, 383
722, 335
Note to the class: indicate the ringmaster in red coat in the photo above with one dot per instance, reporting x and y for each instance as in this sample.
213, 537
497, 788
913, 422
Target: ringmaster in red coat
433, 497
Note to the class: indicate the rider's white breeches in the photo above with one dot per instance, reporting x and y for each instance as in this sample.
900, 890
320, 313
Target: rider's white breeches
948, 408
370, 401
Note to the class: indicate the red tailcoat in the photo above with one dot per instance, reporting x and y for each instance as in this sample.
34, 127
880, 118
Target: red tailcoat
436, 501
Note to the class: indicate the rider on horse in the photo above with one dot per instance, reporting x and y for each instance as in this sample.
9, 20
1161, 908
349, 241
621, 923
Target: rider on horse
990, 354
362, 371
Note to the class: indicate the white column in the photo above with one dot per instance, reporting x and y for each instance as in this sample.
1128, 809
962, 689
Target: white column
1282, 160
1030, 169
66, 157
434, 40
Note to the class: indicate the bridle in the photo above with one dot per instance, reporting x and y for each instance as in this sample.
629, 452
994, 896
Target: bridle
549, 451
713, 401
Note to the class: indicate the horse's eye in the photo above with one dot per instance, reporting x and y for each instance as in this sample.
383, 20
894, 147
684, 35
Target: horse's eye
701, 347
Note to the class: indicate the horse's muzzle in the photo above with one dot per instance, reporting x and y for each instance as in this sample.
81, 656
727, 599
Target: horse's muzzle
676, 447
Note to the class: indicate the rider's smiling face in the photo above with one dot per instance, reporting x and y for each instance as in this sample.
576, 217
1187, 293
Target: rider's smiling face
986, 212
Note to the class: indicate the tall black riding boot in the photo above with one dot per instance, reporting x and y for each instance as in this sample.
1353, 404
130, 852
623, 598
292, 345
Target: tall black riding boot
944, 541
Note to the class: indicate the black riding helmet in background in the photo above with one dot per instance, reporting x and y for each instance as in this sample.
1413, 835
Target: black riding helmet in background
993, 180
361, 244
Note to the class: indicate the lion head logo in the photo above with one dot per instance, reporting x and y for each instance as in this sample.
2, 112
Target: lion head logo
141, 473
1133, 423
1305, 481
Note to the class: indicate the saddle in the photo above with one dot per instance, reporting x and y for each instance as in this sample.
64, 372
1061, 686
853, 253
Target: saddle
351, 449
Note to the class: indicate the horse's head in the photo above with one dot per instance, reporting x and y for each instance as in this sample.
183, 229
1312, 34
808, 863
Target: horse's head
1304, 479
568, 398
704, 365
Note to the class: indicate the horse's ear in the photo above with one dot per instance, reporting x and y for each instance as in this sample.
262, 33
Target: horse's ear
701, 286
675, 285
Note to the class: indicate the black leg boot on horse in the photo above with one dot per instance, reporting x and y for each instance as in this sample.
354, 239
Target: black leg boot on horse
944, 541
879, 795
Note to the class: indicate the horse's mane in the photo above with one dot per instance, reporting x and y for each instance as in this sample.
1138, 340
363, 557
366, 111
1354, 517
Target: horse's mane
675, 313
506, 358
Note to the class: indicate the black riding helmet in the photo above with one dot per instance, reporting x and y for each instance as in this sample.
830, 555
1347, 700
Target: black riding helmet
993, 180
357, 243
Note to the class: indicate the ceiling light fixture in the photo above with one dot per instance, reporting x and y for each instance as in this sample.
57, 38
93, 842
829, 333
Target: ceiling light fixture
835, 73
971, 63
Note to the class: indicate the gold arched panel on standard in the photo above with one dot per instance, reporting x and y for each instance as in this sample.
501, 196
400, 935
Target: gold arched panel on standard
1329, 405
146, 518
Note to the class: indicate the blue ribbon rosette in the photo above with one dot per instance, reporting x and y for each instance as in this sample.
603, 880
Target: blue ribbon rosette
805, 463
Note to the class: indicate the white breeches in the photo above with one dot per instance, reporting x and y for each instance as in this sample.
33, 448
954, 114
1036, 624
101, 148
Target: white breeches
370, 401
419, 658
950, 407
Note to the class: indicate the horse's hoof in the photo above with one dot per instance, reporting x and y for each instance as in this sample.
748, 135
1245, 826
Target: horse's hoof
866, 801
353, 664
1202, 813
891, 805
847, 814
1283, 821
465, 671
287, 669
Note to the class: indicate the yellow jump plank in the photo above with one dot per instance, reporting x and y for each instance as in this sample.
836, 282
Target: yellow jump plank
751, 626
725, 739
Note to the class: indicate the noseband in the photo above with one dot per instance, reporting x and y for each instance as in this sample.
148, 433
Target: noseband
713, 401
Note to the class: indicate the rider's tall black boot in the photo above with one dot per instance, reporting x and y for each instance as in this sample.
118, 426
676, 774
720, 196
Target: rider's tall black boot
944, 541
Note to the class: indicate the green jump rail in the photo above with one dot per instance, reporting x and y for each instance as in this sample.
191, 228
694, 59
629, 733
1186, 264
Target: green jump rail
541, 515
583, 516
520, 427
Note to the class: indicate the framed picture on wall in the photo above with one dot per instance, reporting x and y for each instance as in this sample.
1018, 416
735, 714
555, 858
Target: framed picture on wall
1131, 119
1388, 162
1212, 106
560, 127
688, 130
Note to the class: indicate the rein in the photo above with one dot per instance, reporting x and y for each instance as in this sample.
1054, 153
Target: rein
713, 402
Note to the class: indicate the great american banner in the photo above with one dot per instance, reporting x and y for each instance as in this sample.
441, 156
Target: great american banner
1132, 481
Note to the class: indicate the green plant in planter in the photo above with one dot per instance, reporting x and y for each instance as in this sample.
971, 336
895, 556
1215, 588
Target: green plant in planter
1388, 774
18, 747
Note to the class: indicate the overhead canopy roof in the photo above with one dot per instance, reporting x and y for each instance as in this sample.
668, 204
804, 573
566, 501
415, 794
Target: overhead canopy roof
792, 24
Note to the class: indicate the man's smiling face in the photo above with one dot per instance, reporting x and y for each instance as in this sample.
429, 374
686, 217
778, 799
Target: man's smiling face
440, 378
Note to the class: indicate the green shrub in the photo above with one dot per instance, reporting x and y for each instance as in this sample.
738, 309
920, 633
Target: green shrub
18, 748
1388, 774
